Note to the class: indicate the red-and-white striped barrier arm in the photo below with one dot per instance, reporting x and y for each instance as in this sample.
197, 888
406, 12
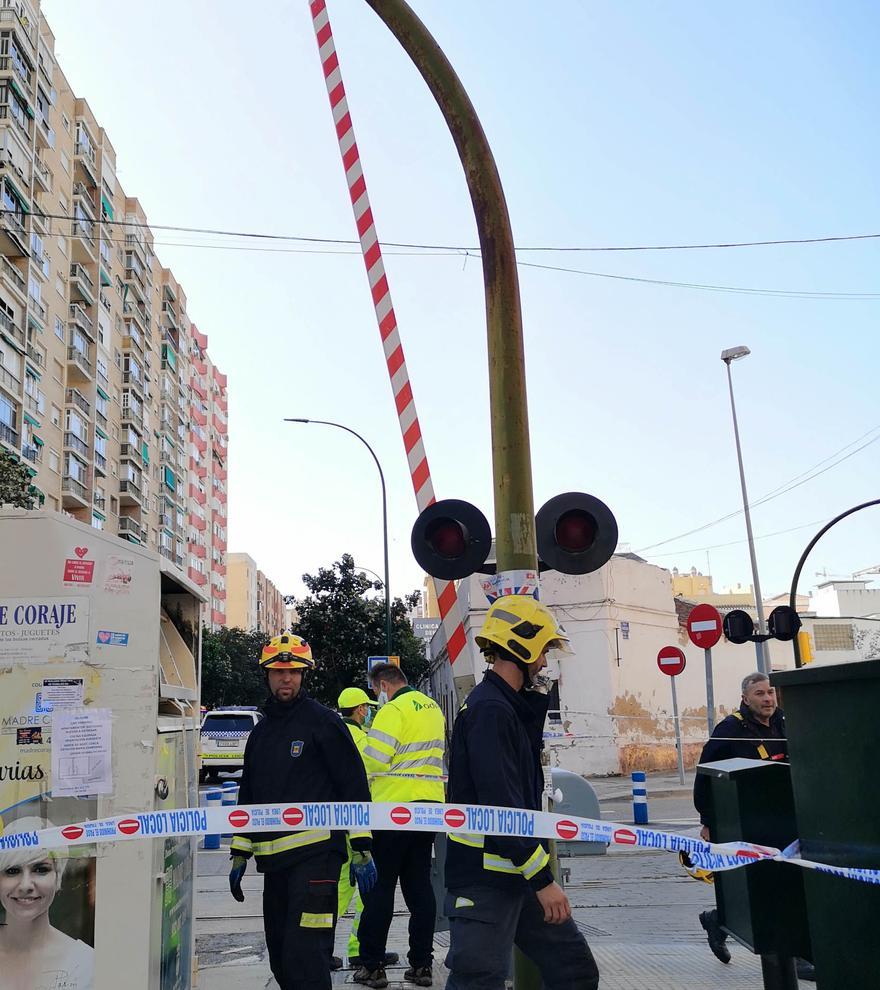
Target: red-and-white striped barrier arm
450, 613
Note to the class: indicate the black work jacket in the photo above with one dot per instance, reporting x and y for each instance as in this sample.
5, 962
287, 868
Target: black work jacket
740, 735
495, 759
301, 751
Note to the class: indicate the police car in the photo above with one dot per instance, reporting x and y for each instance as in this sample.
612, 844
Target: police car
223, 735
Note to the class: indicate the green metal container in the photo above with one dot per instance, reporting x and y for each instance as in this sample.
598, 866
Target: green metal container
762, 906
831, 719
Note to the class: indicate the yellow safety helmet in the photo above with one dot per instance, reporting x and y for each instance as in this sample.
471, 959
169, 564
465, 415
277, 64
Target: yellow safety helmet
352, 697
707, 876
522, 626
287, 652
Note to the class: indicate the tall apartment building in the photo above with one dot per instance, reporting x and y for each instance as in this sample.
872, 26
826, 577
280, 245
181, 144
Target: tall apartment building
106, 389
254, 601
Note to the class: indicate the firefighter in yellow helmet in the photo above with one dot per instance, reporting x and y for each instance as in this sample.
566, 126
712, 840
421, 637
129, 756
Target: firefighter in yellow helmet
356, 708
500, 889
300, 752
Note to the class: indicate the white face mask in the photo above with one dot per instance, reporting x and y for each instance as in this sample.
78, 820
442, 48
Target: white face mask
383, 698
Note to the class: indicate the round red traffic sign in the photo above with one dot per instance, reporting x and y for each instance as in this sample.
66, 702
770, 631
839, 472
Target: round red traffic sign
671, 660
292, 816
454, 817
238, 818
566, 829
401, 816
72, 832
624, 837
704, 626
128, 826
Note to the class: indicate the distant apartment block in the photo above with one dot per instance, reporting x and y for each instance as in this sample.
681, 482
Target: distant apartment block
107, 391
253, 600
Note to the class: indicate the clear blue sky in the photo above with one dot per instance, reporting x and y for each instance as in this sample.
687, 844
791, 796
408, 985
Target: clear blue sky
617, 124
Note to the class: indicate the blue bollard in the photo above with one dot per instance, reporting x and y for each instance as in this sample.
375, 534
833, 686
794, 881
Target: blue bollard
230, 800
213, 799
640, 797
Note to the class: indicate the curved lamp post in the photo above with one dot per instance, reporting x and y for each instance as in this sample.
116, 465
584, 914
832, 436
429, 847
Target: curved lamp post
354, 433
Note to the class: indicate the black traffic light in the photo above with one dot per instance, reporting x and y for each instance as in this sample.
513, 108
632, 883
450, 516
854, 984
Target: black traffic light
451, 539
576, 533
783, 623
738, 626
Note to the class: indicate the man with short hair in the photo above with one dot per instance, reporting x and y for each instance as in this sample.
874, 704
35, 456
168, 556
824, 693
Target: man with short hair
404, 759
755, 731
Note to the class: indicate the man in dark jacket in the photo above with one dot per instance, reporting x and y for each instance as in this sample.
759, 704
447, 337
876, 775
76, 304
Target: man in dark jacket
300, 752
501, 891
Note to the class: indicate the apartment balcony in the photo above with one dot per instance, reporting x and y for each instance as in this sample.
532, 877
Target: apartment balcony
130, 492
74, 494
200, 366
79, 366
36, 356
83, 247
197, 523
131, 529
45, 134
9, 383
85, 159
13, 279
38, 310
42, 175
220, 425
13, 237
197, 577
170, 315
84, 197
219, 593
82, 285
197, 550
73, 397
39, 220
9, 17
218, 618
135, 244
198, 416
198, 495
79, 318
79, 446
133, 380
199, 389
100, 463
134, 416
130, 452
99, 502
132, 339
33, 454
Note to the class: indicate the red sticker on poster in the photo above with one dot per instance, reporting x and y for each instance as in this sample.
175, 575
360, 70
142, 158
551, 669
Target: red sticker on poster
78, 571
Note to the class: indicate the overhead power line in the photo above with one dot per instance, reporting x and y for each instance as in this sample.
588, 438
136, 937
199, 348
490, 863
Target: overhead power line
736, 543
790, 485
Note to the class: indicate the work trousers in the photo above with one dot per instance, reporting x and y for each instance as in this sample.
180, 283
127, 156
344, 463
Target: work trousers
404, 856
299, 917
486, 922
348, 892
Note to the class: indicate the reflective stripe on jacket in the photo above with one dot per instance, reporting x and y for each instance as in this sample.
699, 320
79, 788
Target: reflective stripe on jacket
407, 737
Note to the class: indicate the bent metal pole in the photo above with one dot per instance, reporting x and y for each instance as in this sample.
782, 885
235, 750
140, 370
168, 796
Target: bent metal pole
511, 456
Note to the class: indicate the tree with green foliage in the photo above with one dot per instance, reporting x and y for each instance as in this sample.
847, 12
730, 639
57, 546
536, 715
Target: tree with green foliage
344, 626
15, 483
230, 667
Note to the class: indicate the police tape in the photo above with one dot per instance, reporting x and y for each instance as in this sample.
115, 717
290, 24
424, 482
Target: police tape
466, 819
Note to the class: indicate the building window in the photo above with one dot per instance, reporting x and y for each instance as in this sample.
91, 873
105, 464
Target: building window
59, 288
59, 328
65, 122
56, 416
834, 636
65, 163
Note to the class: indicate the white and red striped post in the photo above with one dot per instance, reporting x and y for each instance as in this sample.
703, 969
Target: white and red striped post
413, 443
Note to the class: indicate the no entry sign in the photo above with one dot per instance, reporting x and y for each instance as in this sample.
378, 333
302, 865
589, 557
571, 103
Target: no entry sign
704, 626
671, 660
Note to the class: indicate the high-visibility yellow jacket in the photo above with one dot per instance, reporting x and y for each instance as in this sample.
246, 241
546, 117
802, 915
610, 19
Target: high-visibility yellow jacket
405, 747
358, 734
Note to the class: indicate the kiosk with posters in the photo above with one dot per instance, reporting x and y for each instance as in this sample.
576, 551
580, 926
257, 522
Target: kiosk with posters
99, 714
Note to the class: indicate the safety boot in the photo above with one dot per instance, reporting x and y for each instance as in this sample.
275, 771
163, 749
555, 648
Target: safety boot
420, 975
716, 937
375, 978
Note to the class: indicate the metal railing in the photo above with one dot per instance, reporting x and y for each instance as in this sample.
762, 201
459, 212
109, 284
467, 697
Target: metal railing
100, 461
73, 442
99, 501
39, 308
12, 273
12, 329
83, 230
9, 381
42, 170
81, 360
79, 317
35, 355
70, 486
129, 487
11, 220
32, 403
31, 453
73, 397
130, 526
85, 150
8, 434
80, 273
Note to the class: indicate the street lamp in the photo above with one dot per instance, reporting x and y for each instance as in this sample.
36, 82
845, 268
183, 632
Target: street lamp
324, 422
728, 356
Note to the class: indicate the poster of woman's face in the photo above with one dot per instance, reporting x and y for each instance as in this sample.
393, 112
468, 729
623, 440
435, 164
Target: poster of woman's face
46, 917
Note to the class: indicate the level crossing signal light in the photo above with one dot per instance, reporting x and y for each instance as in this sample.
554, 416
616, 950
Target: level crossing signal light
576, 533
783, 624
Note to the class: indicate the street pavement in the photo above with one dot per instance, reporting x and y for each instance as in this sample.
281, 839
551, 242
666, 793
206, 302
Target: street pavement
637, 908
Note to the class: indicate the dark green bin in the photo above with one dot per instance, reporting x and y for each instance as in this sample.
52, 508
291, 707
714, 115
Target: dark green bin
832, 714
762, 906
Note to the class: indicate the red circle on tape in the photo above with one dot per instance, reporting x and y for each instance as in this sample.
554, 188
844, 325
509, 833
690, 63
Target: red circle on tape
454, 817
625, 837
72, 832
292, 816
566, 829
401, 816
128, 826
238, 819
747, 854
